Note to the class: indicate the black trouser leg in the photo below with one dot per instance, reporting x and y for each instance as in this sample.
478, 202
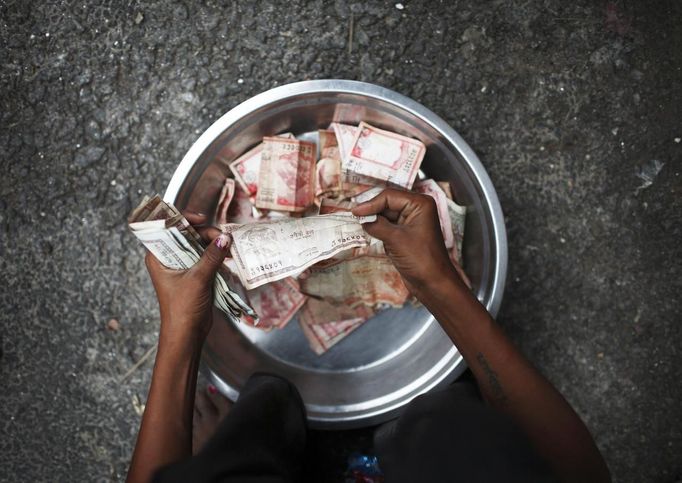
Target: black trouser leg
261, 440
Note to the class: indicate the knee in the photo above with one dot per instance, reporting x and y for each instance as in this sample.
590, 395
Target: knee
273, 382
278, 388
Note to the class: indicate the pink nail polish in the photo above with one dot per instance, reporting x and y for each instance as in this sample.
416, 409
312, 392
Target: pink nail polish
212, 389
222, 241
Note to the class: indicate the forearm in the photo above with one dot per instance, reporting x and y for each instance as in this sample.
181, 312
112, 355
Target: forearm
512, 385
166, 430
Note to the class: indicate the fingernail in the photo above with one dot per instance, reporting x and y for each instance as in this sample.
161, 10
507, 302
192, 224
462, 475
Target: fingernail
222, 241
212, 389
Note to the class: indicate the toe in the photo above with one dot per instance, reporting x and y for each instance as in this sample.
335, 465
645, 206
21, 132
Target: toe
204, 405
210, 407
220, 402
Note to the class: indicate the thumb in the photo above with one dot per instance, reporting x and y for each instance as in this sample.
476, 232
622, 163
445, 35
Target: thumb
381, 229
213, 257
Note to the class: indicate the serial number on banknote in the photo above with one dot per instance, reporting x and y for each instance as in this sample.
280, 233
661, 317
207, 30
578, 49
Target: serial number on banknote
345, 239
266, 267
305, 149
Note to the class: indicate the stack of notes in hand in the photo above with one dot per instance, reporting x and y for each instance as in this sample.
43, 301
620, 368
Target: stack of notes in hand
297, 249
165, 232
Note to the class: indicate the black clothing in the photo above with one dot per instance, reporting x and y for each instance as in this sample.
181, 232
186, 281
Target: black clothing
447, 435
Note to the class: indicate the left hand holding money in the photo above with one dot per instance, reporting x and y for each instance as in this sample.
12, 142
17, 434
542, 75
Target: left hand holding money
186, 296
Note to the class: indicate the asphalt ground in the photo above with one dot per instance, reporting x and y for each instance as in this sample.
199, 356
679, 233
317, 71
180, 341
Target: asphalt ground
573, 108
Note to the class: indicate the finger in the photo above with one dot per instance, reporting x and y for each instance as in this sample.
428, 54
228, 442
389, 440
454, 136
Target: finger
208, 233
194, 217
213, 257
389, 203
391, 215
199, 220
382, 229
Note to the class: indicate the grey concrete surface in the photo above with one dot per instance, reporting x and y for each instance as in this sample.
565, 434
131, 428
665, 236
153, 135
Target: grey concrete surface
568, 104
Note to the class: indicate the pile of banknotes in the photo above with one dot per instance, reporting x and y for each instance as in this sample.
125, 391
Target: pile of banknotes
297, 250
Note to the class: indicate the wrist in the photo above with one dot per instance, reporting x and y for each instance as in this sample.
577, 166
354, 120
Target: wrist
182, 337
441, 282
446, 291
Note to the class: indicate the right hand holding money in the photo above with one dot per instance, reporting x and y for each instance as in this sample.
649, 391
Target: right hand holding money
408, 225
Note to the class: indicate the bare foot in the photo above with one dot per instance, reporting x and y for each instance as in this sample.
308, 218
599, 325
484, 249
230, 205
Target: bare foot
210, 407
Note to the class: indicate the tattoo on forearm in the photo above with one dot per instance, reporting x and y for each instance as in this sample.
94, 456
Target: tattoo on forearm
495, 386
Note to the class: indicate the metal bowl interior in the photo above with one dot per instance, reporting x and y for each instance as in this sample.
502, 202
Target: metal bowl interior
401, 353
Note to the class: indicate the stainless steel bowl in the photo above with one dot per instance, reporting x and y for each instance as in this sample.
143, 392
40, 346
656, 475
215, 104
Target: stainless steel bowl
369, 376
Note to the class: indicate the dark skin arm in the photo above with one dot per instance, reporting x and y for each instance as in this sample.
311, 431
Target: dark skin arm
408, 225
186, 307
